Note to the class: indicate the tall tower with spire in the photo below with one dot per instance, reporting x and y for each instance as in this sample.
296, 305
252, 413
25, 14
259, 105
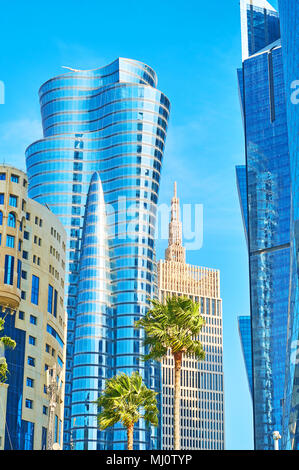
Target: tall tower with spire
202, 396
175, 250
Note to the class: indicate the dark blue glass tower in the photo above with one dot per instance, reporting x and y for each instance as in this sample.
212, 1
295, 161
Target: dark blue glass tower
289, 14
104, 133
263, 105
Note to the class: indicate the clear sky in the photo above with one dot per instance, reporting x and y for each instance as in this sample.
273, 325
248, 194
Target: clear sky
195, 48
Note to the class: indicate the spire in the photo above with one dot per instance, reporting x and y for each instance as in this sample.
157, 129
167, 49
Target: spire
175, 250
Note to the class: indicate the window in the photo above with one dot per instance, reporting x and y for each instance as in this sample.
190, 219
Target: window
29, 403
13, 200
11, 220
1, 198
25, 254
23, 295
55, 303
20, 245
8, 269
36, 220
2, 176
21, 315
14, 178
29, 382
54, 333
19, 272
47, 348
1, 217
34, 289
50, 298
24, 274
26, 235
27, 215
33, 319
31, 361
45, 410
10, 241
32, 340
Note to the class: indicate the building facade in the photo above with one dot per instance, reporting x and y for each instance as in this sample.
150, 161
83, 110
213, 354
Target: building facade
202, 393
268, 203
109, 124
32, 271
289, 20
244, 324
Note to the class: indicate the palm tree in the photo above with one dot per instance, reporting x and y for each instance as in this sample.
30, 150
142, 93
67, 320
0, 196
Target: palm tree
5, 342
175, 326
126, 399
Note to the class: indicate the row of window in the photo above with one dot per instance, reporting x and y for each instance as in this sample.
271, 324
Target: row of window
13, 200
11, 219
13, 178
31, 361
29, 403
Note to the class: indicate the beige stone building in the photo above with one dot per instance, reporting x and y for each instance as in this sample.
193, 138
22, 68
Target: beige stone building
202, 395
32, 272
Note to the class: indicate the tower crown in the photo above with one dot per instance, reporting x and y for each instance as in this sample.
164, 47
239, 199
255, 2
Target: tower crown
175, 250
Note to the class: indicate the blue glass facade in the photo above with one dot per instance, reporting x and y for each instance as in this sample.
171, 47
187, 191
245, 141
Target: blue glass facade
289, 14
260, 26
244, 323
112, 121
268, 203
94, 323
21, 432
241, 176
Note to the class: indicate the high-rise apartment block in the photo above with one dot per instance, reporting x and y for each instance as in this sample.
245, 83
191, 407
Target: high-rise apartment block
202, 393
104, 136
32, 271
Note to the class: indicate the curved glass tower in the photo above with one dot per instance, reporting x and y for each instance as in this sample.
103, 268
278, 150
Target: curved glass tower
93, 328
112, 121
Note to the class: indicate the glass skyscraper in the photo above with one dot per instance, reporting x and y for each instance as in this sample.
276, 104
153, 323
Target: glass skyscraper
244, 323
268, 210
289, 14
104, 136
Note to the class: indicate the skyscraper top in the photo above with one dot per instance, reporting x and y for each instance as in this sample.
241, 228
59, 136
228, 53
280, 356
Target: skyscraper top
259, 26
175, 250
259, 3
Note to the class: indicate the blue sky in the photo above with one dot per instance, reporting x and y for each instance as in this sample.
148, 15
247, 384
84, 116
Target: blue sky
195, 48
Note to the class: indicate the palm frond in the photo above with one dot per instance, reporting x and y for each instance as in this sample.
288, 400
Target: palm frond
124, 399
173, 325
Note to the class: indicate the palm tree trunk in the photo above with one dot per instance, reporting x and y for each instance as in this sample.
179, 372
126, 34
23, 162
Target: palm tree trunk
130, 430
177, 401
